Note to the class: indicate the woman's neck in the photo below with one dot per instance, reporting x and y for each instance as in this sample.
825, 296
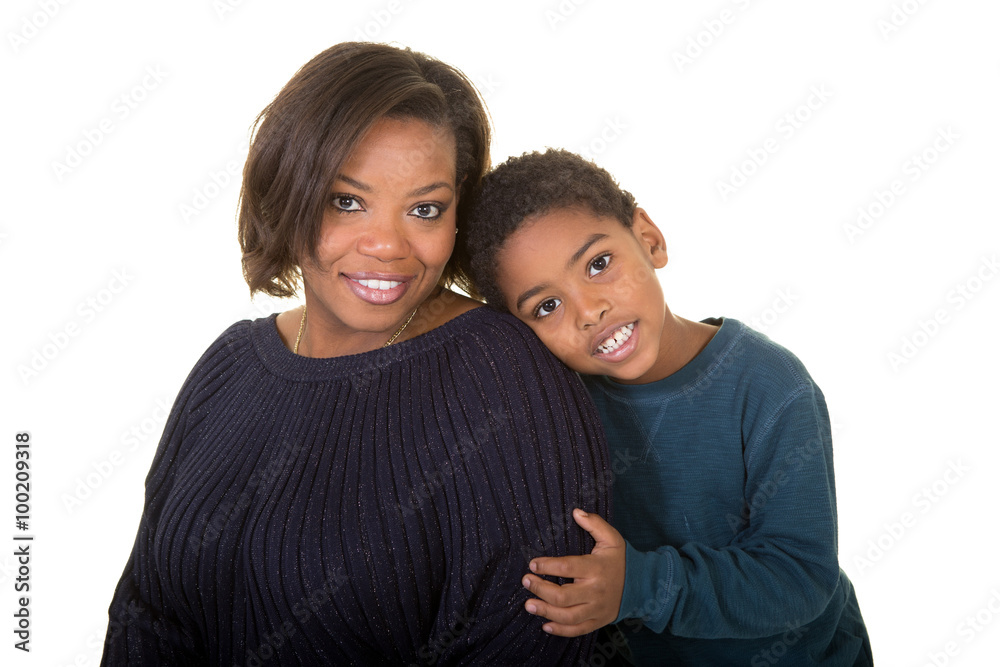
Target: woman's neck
319, 340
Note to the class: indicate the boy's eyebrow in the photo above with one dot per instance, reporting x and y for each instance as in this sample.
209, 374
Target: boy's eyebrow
419, 192
591, 240
528, 293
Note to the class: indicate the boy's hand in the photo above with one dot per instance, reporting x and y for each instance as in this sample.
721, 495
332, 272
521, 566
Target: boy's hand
592, 600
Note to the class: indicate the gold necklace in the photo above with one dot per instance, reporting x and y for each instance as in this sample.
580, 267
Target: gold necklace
400, 329
302, 326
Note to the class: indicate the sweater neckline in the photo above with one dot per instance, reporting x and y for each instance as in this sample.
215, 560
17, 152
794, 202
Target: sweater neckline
690, 376
283, 362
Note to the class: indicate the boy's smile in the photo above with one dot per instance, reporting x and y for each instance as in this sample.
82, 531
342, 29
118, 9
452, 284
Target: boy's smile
587, 287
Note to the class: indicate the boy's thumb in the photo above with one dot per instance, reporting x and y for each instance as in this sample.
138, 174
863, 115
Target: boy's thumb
598, 528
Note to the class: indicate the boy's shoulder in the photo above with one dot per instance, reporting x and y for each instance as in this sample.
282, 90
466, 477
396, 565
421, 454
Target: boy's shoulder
760, 354
758, 364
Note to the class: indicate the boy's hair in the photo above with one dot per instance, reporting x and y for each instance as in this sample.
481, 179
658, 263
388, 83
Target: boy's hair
525, 188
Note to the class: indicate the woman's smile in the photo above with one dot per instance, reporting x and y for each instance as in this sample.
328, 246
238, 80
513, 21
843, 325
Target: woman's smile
378, 289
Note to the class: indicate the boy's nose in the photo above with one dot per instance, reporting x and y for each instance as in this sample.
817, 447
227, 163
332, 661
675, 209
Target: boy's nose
593, 308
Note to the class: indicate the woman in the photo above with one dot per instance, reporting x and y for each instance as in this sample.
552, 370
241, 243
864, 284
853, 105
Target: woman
362, 480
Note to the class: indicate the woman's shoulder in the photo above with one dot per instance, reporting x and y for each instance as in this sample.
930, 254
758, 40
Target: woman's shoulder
230, 349
492, 344
495, 329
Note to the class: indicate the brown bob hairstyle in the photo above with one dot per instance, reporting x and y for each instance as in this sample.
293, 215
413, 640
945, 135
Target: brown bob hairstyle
301, 139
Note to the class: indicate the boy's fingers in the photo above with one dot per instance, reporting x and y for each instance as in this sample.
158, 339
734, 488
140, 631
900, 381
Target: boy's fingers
568, 567
553, 594
602, 531
563, 630
561, 615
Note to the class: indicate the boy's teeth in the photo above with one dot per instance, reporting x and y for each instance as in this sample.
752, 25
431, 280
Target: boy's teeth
379, 284
614, 341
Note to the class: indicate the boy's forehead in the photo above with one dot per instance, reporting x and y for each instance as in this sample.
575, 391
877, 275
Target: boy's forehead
544, 243
561, 228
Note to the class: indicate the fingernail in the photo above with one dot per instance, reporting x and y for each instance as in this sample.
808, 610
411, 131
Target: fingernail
531, 608
532, 566
547, 629
526, 582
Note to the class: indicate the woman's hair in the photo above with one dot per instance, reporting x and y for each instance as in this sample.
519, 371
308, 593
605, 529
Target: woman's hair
521, 190
304, 136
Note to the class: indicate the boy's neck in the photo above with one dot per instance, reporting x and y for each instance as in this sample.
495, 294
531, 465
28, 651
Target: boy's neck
682, 341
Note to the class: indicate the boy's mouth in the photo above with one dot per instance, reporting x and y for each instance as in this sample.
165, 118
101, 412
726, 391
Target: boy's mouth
615, 339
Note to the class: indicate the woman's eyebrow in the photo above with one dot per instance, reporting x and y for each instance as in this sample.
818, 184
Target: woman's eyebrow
427, 189
419, 192
353, 183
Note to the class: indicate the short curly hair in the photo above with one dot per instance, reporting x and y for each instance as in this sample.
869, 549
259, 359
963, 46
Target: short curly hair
312, 126
525, 188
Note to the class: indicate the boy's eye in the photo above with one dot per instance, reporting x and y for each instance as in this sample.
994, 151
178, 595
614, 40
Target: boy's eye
345, 203
599, 264
427, 211
545, 308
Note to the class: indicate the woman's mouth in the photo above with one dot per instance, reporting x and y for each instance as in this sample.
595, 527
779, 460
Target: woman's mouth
380, 284
379, 290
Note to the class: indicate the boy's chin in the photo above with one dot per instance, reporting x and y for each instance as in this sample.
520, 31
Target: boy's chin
622, 375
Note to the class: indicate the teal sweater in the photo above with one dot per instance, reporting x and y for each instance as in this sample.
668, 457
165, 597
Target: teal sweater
724, 491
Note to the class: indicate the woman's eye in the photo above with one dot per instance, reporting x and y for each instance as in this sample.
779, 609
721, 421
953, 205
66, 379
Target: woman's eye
427, 211
346, 203
599, 264
545, 308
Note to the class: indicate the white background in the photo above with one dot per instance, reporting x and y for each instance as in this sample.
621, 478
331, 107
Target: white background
122, 264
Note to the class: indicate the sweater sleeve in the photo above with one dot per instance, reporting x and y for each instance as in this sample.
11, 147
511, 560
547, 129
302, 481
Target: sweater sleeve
542, 454
145, 626
781, 568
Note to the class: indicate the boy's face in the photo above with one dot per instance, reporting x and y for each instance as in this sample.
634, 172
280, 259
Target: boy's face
587, 287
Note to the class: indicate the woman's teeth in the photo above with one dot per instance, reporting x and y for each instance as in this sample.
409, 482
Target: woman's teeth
614, 341
380, 284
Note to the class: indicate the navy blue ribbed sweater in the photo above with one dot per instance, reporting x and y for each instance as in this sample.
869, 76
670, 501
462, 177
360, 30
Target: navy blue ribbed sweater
372, 509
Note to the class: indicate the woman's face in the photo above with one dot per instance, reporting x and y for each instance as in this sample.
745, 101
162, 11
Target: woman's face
387, 234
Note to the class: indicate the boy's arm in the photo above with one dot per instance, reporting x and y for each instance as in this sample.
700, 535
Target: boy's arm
780, 569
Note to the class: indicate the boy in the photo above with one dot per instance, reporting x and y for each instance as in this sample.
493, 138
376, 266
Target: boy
726, 544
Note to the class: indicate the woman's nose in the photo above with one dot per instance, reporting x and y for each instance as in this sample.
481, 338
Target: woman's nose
383, 238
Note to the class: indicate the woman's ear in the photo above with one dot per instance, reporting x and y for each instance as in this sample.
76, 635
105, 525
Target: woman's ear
650, 238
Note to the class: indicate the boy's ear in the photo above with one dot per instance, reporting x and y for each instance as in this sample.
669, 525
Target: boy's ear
650, 238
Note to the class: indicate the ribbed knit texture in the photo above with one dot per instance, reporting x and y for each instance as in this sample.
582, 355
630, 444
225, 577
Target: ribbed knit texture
724, 491
373, 509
